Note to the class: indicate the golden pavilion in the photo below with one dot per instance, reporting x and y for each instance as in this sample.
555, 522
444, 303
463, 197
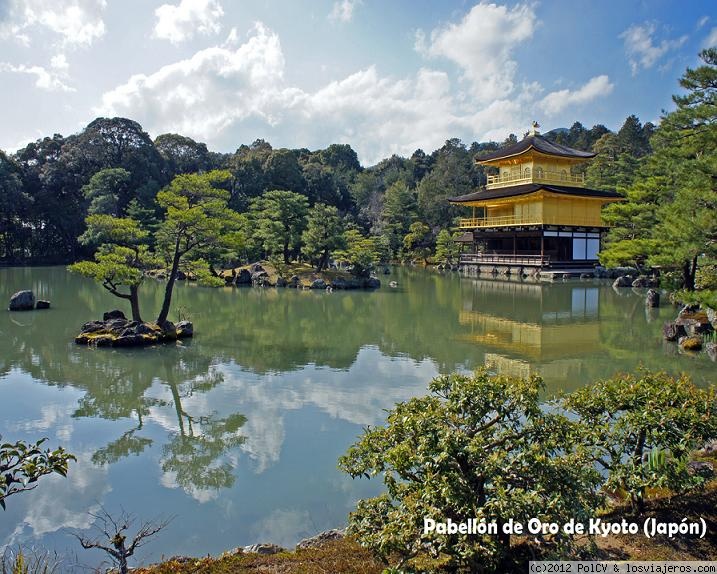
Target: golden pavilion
534, 210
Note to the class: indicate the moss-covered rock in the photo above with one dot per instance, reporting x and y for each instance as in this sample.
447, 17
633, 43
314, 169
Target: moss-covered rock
115, 330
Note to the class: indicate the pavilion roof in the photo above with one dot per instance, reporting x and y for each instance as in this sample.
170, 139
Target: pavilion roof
483, 194
538, 143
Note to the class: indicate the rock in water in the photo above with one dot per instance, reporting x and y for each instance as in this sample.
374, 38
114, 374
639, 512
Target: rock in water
114, 314
22, 301
690, 343
185, 329
711, 349
652, 299
671, 331
41, 304
624, 281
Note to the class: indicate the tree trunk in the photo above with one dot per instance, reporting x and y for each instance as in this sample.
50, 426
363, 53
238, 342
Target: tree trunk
287, 259
134, 302
638, 498
170, 286
688, 274
323, 260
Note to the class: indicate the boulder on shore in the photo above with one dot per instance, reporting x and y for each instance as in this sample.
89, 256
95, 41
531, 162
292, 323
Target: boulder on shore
318, 284
264, 549
115, 330
22, 301
623, 281
320, 539
243, 277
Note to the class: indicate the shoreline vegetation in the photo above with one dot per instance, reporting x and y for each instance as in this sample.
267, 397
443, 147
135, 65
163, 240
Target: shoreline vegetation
347, 556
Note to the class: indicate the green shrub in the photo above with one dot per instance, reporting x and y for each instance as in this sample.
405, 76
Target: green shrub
627, 418
476, 447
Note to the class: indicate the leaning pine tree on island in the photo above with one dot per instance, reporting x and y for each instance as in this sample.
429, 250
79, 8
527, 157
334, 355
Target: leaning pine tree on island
197, 230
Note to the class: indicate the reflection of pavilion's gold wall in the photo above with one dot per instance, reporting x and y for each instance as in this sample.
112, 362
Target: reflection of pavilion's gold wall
528, 339
560, 370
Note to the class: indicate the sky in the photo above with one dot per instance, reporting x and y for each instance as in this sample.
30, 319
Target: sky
385, 76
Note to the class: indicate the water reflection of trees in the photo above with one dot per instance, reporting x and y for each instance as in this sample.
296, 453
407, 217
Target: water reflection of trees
279, 331
116, 385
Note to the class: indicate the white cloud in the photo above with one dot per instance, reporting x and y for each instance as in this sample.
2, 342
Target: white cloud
641, 49
76, 22
556, 102
219, 88
702, 21
235, 92
204, 94
44, 79
59, 62
482, 44
180, 22
711, 40
343, 10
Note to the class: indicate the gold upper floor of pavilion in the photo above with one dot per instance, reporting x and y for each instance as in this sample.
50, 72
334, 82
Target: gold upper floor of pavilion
535, 184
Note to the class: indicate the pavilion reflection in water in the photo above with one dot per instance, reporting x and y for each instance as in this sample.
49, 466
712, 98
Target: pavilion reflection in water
532, 328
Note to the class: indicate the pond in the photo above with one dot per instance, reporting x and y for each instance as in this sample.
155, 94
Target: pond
236, 433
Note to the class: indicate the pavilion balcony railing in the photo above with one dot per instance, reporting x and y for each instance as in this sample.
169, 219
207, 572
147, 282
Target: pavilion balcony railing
554, 177
517, 220
494, 259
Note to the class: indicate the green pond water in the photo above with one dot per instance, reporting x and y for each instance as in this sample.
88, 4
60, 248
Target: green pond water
236, 433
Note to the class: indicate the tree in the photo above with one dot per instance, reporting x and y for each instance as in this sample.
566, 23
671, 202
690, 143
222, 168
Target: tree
104, 189
452, 174
279, 219
121, 258
447, 248
361, 253
282, 171
112, 537
323, 234
367, 194
418, 242
475, 447
15, 205
198, 222
182, 154
627, 418
674, 195
23, 464
687, 138
399, 211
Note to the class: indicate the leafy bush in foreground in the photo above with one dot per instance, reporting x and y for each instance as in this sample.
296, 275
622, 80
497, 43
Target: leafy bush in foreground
642, 428
476, 447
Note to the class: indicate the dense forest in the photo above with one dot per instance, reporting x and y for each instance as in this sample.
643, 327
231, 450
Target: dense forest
113, 167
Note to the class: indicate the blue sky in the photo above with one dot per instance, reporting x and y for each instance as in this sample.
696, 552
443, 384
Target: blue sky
384, 76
